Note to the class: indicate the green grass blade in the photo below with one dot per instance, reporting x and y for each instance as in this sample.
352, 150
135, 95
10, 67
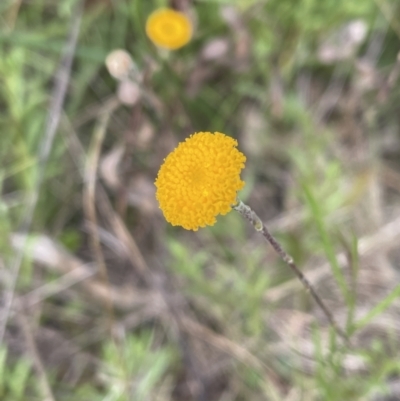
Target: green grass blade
378, 309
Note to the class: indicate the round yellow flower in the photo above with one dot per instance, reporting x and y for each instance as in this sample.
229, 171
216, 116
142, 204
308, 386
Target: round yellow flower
169, 28
199, 180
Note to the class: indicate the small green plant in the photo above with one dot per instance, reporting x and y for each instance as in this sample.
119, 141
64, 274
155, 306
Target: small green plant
133, 370
15, 378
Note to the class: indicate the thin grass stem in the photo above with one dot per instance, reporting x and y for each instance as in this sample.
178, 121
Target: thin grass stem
250, 215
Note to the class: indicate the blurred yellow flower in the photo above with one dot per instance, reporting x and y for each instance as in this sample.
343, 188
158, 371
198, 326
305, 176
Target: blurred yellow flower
199, 180
169, 28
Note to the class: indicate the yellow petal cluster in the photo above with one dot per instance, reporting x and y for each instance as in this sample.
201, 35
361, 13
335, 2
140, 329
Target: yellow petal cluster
199, 180
168, 28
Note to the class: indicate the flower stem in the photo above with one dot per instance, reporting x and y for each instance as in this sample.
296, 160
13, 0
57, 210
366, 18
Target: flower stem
250, 215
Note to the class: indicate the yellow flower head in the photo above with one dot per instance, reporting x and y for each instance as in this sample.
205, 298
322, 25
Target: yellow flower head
199, 180
169, 28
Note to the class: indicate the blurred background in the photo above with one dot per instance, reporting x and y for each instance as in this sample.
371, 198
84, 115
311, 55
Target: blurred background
101, 299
